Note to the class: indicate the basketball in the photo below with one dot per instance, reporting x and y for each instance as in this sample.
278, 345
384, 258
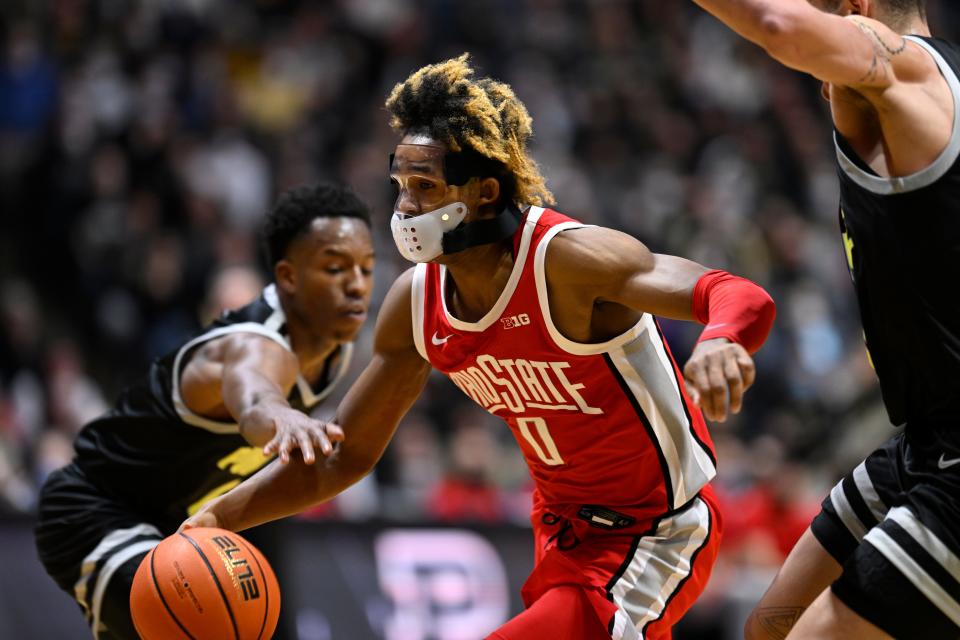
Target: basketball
207, 584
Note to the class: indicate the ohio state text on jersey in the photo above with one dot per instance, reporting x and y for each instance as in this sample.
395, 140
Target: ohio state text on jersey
606, 423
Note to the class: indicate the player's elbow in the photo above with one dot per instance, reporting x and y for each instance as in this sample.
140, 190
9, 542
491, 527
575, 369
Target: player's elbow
342, 472
765, 310
779, 31
767, 307
774, 25
359, 468
761, 311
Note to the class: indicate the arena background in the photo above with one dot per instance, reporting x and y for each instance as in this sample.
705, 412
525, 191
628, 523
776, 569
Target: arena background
141, 143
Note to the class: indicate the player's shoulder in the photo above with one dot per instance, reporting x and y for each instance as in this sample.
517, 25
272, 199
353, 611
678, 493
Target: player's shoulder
590, 245
394, 329
239, 345
397, 304
912, 56
930, 55
402, 287
592, 255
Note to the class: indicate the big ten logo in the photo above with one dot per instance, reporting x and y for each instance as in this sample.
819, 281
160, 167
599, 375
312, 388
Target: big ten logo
443, 585
512, 322
238, 567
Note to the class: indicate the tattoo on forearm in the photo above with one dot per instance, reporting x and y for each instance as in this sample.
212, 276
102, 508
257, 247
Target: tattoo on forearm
777, 621
882, 52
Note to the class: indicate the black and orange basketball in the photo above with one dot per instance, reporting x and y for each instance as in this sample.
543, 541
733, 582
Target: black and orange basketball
206, 584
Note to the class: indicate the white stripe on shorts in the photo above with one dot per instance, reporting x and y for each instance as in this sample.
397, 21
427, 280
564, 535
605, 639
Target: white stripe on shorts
623, 628
846, 512
914, 573
110, 542
109, 567
868, 492
660, 564
927, 539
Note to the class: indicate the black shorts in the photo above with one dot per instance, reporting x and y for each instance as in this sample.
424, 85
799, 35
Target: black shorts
91, 546
894, 526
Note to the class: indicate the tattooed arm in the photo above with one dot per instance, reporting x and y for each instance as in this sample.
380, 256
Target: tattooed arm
776, 622
852, 51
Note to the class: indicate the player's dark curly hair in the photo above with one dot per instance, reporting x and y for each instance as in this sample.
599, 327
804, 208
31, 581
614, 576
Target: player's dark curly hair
898, 11
481, 115
901, 10
297, 208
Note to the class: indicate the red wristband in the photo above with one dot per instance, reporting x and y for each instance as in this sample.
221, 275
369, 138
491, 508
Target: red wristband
733, 308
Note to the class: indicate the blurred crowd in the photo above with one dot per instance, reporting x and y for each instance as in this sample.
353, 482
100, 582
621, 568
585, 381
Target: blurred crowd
141, 143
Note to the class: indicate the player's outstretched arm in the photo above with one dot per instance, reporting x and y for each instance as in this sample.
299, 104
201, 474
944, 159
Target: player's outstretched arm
250, 376
368, 415
608, 266
851, 51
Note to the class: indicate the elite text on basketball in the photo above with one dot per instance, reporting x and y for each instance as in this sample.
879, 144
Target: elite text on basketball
244, 572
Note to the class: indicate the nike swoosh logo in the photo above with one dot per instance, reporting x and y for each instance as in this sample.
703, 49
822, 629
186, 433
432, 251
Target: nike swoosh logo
946, 464
437, 340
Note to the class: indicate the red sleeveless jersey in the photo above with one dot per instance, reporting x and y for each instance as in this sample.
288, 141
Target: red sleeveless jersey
603, 424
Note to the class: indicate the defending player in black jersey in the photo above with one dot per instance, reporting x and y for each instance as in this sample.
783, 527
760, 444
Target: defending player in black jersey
888, 536
216, 410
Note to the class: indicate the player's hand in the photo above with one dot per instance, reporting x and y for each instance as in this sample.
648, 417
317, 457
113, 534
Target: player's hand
294, 430
200, 519
717, 374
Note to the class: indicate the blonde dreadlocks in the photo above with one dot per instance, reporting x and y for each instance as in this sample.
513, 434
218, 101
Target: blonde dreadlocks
483, 115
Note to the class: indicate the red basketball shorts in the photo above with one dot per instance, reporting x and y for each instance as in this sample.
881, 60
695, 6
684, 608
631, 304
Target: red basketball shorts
590, 583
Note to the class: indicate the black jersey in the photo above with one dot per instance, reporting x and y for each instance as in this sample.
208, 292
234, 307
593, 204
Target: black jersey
151, 452
902, 238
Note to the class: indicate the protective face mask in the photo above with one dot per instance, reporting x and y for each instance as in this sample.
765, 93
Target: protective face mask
420, 238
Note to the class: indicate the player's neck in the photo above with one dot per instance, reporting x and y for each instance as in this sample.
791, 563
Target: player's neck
916, 27
311, 350
920, 28
476, 278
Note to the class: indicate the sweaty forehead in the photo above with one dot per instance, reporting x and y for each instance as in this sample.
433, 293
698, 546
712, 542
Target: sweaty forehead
336, 235
418, 158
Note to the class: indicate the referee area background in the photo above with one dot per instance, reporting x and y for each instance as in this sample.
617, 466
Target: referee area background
141, 142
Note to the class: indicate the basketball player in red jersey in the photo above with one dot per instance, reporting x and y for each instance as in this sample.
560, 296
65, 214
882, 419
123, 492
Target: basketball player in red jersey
549, 324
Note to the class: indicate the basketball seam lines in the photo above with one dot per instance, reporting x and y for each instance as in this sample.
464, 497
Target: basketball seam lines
266, 590
216, 580
163, 600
